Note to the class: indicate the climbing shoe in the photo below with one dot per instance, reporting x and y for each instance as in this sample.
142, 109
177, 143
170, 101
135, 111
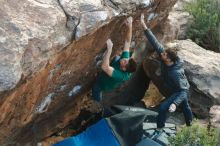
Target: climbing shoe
156, 134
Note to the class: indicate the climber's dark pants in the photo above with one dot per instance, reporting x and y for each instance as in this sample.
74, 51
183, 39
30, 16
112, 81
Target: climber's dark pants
163, 109
150, 68
96, 92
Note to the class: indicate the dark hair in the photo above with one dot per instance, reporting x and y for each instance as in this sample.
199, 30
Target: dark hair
131, 66
172, 54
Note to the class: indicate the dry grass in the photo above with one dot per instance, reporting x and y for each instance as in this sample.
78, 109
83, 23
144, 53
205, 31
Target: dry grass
152, 96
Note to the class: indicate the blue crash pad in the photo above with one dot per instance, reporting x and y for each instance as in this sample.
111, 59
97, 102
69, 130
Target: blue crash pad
99, 134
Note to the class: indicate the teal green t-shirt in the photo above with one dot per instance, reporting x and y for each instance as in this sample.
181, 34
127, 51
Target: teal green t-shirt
108, 83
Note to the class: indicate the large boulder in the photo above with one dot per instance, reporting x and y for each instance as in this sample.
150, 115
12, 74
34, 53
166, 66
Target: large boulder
48, 64
31, 34
203, 71
178, 22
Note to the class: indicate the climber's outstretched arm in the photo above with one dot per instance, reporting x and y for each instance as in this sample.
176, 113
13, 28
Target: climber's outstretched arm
128, 34
106, 60
150, 36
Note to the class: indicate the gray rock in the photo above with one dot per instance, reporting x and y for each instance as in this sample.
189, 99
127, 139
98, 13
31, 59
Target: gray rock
90, 15
92, 21
215, 115
75, 90
178, 22
45, 103
31, 32
127, 4
76, 8
203, 70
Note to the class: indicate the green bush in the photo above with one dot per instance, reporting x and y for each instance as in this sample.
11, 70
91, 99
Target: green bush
205, 29
196, 136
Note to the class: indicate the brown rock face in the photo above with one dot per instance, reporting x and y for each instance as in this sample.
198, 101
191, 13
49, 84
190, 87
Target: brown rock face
48, 82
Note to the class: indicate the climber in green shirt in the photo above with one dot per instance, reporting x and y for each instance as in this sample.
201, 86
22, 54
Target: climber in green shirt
119, 70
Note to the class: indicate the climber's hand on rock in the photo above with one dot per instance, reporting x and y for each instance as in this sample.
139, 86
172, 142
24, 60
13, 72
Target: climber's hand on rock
142, 18
172, 108
129, 21
132, 46
143, 22
109, 44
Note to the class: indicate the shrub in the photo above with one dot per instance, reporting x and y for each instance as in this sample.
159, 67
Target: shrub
205, 29
196, 136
